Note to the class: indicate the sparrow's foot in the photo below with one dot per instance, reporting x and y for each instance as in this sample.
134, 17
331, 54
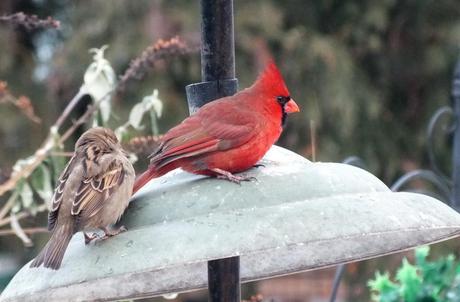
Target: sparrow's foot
111, 232
222, 174
89, 237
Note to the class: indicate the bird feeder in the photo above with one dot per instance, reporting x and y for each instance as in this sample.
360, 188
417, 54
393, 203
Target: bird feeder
297, 216
188, 232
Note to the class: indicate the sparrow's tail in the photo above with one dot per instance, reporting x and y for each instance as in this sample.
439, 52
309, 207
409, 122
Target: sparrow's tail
53, 252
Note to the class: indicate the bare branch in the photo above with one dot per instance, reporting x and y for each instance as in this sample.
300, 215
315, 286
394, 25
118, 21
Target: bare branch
17, 229
22, 215
68, 109
8, 205
29, 231
63, 154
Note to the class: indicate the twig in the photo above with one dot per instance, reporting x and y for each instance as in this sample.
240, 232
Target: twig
73, 102
22, 215
23, 103
30, 22
17, 229
63, 154
29, 231
8, 205
81, 120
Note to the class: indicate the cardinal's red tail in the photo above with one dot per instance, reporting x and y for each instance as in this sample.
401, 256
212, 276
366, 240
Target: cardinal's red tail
144, 178
153, 172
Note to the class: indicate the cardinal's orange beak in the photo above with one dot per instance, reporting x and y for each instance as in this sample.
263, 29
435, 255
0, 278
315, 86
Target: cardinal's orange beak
291, 107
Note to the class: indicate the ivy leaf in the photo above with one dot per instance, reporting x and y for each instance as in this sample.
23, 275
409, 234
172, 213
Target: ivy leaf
410, 281
436, 275
421, 254
384, 289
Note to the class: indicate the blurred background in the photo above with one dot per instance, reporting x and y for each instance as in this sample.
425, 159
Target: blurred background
367, 74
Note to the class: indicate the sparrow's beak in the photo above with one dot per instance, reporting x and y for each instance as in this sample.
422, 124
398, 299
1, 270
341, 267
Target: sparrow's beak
291, 106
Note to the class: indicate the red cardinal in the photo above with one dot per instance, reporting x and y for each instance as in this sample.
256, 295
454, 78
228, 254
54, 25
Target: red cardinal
228, 135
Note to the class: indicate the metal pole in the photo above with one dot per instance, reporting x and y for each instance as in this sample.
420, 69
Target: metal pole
217, 42
456, 152
218, 80
224, 280
217, 55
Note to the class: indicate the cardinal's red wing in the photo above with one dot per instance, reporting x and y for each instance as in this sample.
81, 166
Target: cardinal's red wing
206, 132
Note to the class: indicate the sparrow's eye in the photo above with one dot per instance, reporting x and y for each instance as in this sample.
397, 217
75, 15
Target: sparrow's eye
283, 99
107, 150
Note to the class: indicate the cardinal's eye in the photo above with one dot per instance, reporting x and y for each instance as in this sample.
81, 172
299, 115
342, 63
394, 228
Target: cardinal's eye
283, 99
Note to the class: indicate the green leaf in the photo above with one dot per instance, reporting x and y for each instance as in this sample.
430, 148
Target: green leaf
421, 254
154, 121
150, 103
156, 103
136, 114
57, 163
384, 289
105, 109
27, 196
453, 294
42, 183
121, 132
410, 281
99, 81
16, 208
437, 275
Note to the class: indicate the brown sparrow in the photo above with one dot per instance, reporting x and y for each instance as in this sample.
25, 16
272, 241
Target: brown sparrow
92, 193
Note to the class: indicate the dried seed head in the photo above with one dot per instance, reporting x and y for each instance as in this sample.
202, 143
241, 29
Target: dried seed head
141, 65
143, 145
30, 22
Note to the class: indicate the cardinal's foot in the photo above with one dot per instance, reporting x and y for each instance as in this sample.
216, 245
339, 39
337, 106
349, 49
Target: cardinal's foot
222, 174
258, 166
90, 237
